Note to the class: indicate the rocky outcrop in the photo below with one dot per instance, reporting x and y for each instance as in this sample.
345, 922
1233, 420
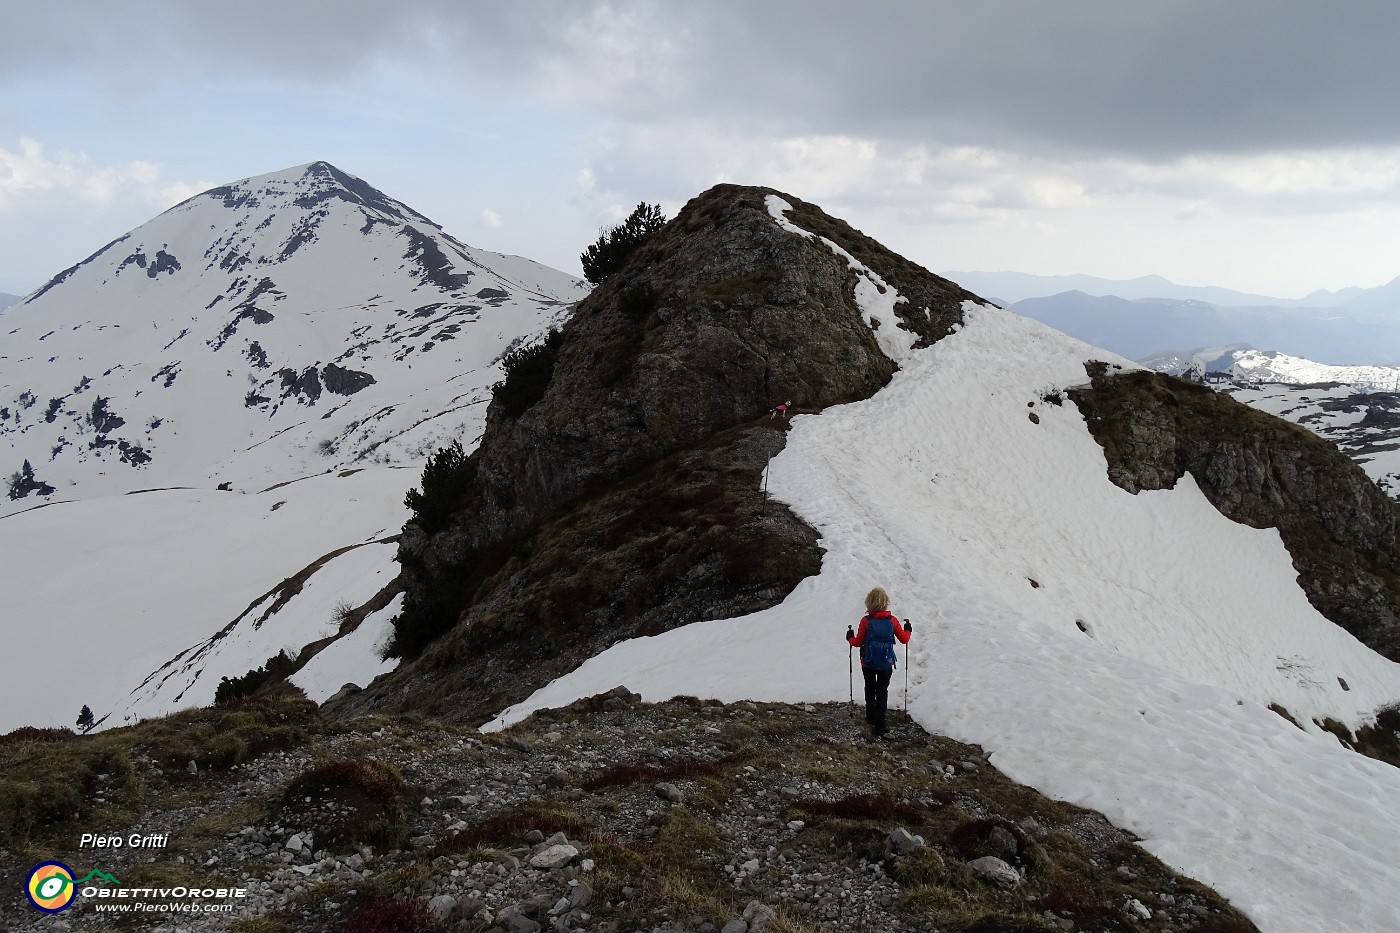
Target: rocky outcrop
645, 453
1261, 471
713, 321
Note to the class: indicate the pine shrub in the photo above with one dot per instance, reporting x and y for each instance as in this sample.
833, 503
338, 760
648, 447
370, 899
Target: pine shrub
528, 372
445, 478
614, 245
278, 667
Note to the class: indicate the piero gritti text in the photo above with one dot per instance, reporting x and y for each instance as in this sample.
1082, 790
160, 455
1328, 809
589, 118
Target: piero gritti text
133, 841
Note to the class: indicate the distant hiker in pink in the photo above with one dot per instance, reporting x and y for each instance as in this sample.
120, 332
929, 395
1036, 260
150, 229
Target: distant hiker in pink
781, 410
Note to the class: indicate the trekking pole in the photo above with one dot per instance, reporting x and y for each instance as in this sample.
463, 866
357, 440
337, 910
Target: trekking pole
767, 468
908, 628
851, 670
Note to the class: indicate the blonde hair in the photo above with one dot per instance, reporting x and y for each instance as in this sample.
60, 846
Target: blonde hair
877, 600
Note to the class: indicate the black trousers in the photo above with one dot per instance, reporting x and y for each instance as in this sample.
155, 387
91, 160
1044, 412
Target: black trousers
877, 696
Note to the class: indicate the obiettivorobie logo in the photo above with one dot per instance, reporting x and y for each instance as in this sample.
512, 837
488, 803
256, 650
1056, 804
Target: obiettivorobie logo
51, 886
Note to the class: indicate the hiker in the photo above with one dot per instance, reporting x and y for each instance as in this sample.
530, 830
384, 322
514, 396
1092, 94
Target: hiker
875, 639
782, 409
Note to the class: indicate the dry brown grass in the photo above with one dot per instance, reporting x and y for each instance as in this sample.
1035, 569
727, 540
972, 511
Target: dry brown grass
46, 786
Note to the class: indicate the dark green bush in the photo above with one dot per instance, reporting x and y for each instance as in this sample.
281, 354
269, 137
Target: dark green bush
446, 477
637, 301
423, 620
607, 255
620, 775
278, 667
435, 610
35, 734
528, 371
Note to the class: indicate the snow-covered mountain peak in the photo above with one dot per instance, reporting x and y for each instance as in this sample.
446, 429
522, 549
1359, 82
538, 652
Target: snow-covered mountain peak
270, 221
304, 305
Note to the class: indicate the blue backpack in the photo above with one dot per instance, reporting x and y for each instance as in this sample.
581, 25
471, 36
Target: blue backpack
877, 653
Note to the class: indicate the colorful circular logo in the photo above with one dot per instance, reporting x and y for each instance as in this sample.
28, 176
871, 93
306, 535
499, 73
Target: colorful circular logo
50, 887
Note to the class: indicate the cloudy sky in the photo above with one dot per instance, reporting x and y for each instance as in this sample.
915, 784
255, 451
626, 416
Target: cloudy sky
1252, 143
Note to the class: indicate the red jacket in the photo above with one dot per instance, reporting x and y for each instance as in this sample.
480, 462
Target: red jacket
899, 631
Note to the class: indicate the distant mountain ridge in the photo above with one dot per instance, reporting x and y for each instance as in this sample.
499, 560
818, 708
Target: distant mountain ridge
1018, 286
260, 331
7, 300
1142, 327
1247, 364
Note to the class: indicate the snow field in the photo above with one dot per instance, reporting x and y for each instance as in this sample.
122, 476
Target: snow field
98, 594
1273, 366
351, 578
352, 659
941, 489
1299, 402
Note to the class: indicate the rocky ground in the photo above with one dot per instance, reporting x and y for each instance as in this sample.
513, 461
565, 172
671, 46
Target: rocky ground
609, 815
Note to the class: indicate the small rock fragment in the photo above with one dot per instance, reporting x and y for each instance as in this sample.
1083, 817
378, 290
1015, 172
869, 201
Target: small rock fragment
580, 895
1003, 842
441, 907
1033, 827
904, 843
758, 915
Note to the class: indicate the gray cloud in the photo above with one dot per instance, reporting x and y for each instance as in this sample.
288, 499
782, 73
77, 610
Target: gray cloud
1184, 137
1151, 80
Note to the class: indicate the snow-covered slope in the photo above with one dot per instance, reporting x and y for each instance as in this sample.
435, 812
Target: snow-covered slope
99, 594
1114, 650
1272, 366
279, 326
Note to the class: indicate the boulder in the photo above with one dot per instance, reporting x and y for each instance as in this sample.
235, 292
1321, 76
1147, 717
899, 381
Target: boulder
994, 871
555, 856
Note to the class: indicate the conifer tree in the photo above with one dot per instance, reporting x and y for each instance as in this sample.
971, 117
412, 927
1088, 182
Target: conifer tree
607, 255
